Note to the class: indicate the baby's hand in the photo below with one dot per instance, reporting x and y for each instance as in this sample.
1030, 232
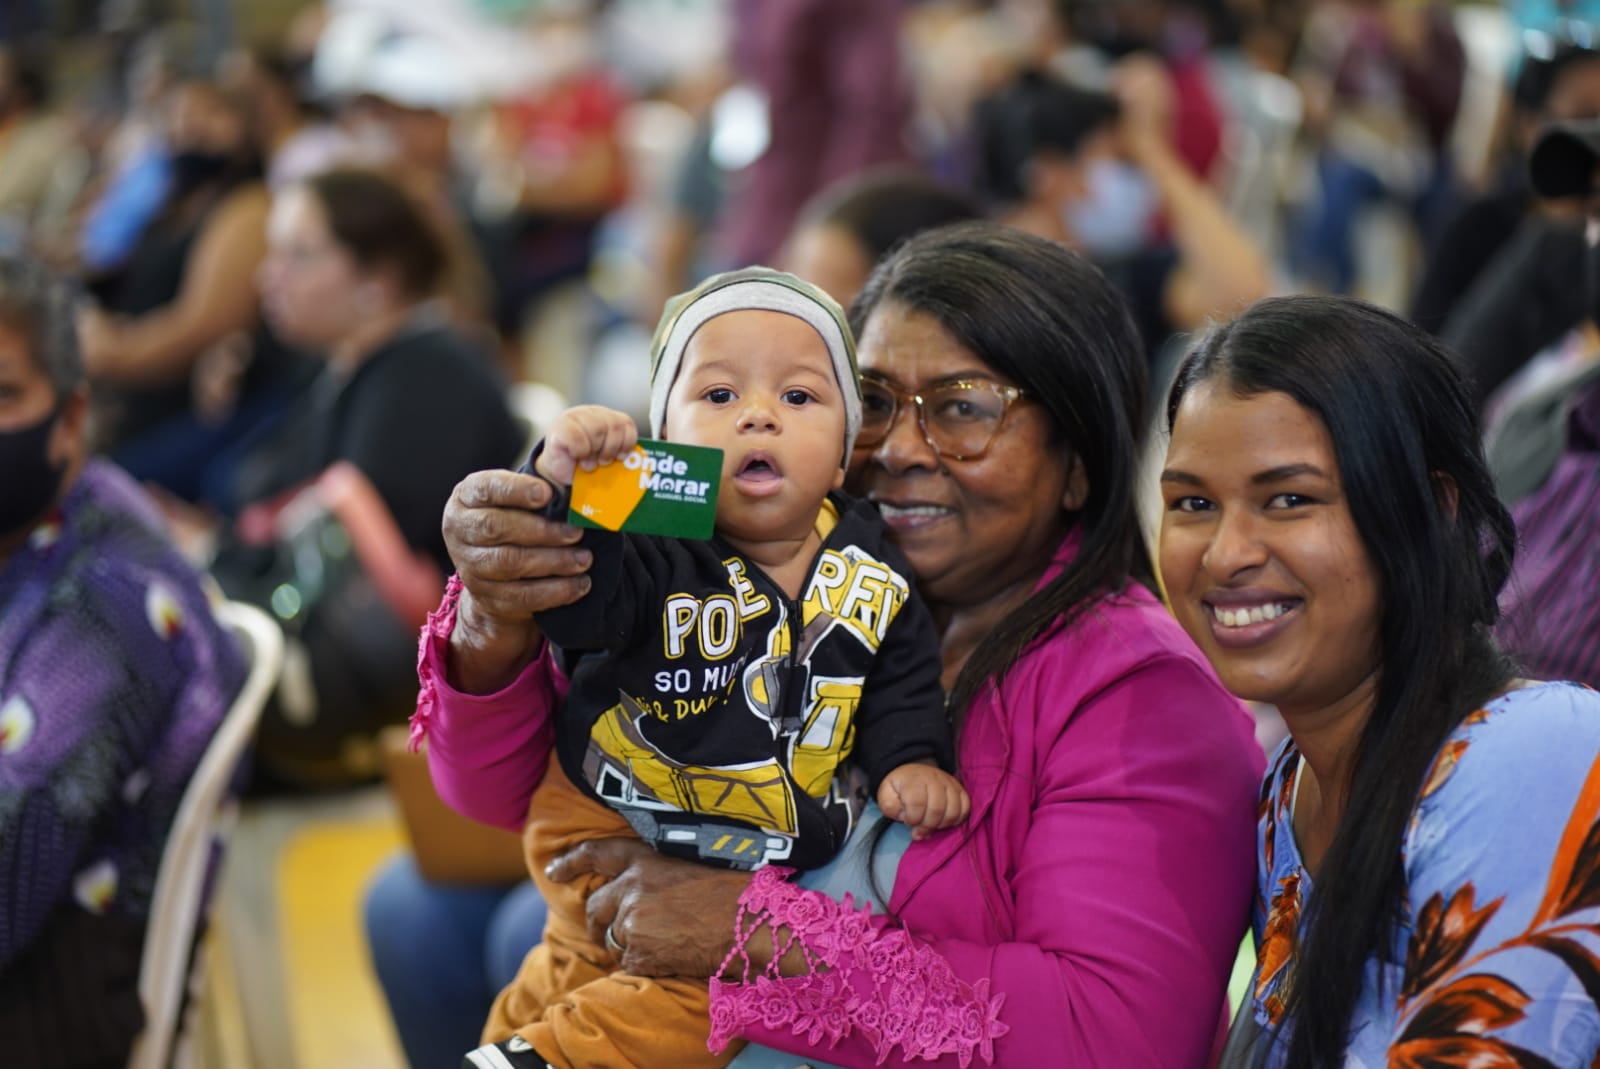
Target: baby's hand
585, 437
923, 796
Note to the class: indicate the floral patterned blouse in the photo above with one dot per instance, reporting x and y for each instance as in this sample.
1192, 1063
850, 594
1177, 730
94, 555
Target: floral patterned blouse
1497, 961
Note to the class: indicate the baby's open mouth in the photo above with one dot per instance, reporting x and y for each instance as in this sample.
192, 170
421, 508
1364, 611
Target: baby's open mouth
758, 467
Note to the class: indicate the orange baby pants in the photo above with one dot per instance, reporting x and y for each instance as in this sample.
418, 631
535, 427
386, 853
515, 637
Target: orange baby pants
569, 999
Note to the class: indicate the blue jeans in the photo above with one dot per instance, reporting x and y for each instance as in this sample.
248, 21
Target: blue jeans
199, 461
442, 953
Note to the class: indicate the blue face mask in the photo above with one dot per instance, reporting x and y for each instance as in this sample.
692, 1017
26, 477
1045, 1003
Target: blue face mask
31, 481
1114, 219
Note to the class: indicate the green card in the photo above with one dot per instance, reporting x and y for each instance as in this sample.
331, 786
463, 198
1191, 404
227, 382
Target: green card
662, 488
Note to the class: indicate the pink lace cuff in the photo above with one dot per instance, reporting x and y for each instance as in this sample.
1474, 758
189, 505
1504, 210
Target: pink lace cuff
861, 978
430, 657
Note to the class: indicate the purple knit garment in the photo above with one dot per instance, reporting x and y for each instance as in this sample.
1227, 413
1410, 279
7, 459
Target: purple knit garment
114, 675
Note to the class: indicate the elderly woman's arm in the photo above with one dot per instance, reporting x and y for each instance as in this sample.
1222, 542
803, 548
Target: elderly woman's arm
1117, 919
487, 682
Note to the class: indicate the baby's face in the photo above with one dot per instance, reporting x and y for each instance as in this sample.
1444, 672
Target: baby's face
760, 386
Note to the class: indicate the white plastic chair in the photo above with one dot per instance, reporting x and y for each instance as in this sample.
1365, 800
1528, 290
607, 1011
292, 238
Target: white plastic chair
203, 818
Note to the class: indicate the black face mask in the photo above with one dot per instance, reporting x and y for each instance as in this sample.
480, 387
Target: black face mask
191, 170
31, 481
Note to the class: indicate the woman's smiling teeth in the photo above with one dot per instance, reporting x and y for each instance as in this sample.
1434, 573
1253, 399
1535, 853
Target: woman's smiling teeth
1243, 617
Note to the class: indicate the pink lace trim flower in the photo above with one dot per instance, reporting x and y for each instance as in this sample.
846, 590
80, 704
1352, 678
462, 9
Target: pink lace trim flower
436, 628
916, 1001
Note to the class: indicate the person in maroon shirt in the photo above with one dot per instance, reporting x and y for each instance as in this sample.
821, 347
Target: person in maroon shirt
836, 100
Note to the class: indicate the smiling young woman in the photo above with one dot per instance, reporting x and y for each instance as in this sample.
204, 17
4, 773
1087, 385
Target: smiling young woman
1332, 541
1278, 589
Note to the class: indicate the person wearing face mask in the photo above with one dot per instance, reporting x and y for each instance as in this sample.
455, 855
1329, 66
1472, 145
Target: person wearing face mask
186, 287
1098, 171
113, 677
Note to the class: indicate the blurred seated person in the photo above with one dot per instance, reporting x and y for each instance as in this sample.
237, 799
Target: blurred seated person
1183, 33
1559, 87
132, 160
338, 528
1529, 293
187, 287
847, 228
292, 137
113, 677
553, 167
410, 140
34, 144
1544, 448
1382, 83
1099, 172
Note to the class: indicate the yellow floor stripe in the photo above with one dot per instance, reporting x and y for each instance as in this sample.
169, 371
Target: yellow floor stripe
336, 1010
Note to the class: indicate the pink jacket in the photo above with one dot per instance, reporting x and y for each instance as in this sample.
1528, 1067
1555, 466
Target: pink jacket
1087, 913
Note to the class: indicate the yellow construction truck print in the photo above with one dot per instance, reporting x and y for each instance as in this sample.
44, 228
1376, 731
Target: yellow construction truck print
727, 724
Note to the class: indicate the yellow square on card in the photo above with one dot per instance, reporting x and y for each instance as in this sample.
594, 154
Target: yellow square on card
607, 496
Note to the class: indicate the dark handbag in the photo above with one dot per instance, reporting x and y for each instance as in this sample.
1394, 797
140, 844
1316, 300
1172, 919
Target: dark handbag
331, 566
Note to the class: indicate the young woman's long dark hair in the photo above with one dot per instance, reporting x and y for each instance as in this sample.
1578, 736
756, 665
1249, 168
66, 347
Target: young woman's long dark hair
1405, 436
1045, 318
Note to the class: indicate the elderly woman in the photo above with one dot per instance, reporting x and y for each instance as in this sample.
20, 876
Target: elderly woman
113, 677
1427, 890
1103, 875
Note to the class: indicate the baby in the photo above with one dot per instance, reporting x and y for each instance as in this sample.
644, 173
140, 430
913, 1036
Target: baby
717, 688
798, 637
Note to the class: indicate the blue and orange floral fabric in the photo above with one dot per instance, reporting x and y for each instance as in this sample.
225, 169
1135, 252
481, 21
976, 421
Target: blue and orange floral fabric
1497, 961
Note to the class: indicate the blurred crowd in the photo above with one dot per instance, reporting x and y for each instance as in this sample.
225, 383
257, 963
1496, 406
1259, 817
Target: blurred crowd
585, 159
321, 275
333, 247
